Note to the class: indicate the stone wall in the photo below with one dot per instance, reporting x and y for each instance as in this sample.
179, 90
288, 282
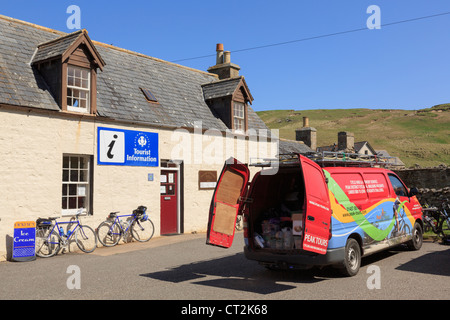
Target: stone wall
433, 183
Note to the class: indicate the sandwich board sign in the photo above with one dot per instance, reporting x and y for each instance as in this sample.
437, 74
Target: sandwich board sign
24, 241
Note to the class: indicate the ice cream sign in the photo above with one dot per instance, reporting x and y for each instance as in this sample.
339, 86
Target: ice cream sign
127, 147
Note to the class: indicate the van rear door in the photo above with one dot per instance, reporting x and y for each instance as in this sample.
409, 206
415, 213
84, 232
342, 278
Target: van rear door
226, 203
318, 211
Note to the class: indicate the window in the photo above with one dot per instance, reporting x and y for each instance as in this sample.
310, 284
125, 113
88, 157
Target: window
399, 188
75, 184
78, 89
238, 116
149, 95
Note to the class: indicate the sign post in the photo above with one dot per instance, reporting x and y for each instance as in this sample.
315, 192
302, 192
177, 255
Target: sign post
24, 241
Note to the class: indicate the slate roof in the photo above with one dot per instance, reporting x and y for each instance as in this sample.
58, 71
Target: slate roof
177, 88
291, 146
55, 48
221, 88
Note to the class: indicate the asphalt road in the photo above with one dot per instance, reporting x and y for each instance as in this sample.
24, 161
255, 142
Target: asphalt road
184, 268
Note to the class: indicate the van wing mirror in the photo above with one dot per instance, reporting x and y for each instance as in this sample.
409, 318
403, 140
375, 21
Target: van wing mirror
413, 191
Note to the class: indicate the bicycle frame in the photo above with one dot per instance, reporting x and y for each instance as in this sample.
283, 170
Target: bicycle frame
118, 222
57, 226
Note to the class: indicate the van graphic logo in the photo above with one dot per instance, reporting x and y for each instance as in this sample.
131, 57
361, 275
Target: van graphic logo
127, 147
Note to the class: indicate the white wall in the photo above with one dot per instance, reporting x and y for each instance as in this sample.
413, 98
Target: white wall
32, 145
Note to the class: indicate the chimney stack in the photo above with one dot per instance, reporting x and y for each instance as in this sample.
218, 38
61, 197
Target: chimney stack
224, 68
346, 141
307, 134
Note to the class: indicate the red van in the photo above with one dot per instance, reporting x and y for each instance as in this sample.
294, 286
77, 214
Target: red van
301, 214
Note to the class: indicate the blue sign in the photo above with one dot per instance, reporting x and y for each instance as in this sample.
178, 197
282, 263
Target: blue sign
24, 241
127, 148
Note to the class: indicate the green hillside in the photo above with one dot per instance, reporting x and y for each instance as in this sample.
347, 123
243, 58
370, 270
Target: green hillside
417, 137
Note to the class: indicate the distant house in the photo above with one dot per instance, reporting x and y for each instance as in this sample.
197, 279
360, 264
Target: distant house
346, 143
307, 136
364, 147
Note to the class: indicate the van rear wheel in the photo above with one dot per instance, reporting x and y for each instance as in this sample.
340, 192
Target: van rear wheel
352, 258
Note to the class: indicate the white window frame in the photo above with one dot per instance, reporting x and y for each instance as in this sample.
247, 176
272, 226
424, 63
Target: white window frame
238, 116
81, 88
76, 184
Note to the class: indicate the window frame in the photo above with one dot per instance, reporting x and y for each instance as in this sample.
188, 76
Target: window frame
238, 117
73, 87
393, 178
70, 188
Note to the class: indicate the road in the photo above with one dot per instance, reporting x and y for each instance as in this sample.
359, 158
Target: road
184, 268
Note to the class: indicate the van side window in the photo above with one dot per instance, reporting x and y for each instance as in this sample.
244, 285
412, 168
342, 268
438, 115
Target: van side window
398, 186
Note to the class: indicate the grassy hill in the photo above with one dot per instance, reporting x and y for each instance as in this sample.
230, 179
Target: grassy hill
417, 137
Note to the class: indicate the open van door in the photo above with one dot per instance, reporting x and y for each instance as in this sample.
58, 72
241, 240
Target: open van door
226, 203
317, 222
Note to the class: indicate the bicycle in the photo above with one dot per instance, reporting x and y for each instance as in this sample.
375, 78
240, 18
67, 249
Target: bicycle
113, 228
434, 219
50, 236
402, 228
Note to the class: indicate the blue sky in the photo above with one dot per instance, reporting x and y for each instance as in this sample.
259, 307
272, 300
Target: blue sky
403, 66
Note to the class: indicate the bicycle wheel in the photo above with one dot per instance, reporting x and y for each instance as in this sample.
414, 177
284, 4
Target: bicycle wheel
86, 239
142, 230
47, 242
108, 233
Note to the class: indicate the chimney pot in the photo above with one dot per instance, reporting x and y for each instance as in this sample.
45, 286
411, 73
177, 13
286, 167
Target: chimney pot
219, 50
226, 57
305, 122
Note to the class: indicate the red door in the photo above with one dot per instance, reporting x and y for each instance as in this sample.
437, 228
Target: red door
226, 202
169, 202
318, 211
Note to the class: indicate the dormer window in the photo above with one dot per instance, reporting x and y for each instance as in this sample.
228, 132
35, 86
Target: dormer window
78, 89
69, 66
229, 99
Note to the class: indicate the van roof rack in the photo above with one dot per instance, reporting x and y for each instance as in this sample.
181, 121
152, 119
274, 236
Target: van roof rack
286, 159
328, 159
343, 159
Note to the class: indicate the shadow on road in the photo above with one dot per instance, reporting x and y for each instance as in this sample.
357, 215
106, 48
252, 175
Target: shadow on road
237, 273
436, 263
